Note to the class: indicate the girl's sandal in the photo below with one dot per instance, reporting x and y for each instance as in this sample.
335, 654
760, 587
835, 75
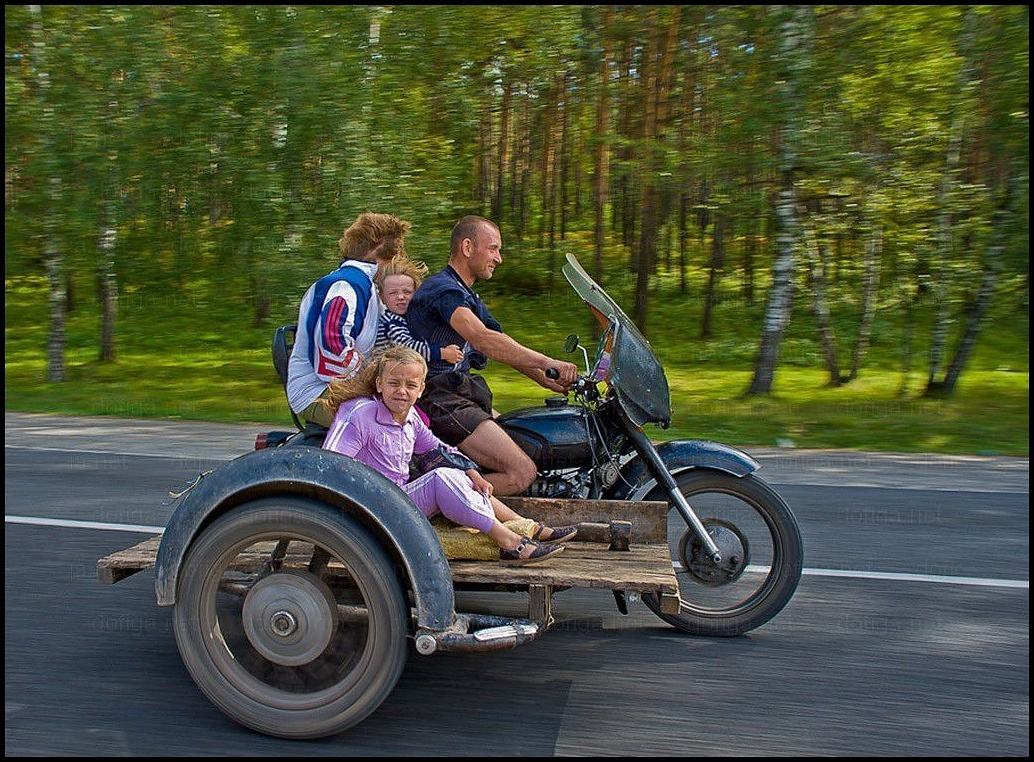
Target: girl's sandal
538, 553
559, 534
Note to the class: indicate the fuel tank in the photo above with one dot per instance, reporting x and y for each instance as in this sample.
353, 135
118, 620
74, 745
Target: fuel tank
554, 436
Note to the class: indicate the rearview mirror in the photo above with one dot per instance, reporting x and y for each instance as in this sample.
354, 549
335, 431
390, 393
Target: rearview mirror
571, 343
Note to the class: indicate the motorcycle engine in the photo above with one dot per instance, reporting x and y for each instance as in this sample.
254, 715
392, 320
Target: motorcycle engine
573, 484
609, 473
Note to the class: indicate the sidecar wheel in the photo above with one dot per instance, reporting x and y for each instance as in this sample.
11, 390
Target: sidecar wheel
762, 555
298, 650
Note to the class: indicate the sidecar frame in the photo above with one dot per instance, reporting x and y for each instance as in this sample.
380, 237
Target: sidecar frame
408, 538
294, 491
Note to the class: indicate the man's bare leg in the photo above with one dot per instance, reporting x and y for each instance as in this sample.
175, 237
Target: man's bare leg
511, 470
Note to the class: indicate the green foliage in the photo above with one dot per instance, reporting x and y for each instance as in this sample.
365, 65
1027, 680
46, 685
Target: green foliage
216, 366
232, 144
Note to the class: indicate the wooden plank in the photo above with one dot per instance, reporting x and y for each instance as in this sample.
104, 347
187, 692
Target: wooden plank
670, 603
540, 605
125, 563
643, 568
649, 519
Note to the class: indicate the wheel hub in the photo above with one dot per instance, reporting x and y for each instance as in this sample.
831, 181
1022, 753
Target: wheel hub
290, 617
731, 543
284, 624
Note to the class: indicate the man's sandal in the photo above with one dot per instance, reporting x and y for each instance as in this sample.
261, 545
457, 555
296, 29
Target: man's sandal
559, 534
539, 553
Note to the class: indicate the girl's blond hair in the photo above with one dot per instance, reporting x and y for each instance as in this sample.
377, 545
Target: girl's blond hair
364, 383
402, 265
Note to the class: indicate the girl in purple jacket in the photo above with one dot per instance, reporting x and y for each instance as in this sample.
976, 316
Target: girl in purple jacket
377, 425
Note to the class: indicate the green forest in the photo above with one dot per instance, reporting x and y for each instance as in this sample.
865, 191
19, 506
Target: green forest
818, 215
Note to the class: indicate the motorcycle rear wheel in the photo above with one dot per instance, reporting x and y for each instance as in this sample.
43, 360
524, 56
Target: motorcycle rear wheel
768, 535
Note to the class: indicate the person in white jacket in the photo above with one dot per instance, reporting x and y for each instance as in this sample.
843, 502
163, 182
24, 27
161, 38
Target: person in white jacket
338, 316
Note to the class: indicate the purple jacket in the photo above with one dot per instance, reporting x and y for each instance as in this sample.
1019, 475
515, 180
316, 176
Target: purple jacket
364, 429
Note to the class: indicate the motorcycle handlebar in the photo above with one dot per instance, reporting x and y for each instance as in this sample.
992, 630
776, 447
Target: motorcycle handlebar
583, 385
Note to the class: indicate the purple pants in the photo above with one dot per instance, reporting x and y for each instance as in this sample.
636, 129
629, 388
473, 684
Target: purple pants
449, 491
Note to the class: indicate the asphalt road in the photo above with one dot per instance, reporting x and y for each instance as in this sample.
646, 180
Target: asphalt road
852, 666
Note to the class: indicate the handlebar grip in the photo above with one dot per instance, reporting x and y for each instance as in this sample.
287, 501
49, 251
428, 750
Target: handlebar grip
552, 373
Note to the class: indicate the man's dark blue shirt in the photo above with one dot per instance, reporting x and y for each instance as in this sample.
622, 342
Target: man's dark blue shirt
431, 309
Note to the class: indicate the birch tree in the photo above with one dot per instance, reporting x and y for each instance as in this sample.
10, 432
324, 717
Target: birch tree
795, 37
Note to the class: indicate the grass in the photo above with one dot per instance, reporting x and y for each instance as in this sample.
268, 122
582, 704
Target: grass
187, 355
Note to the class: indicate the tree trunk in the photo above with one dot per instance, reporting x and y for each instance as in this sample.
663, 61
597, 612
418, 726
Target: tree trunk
977, 314
750, 246
602, 149
70, 293
944, 254
55, 262
504, 154
515, 157
108, 283
873, 247
906, 343
818, 262
53, 257
647, 205
525, 170
944, 235
657, 77
483, 159
683, 204
579, 169
547, 169
717, 260
555, 176
795, 36
565, 159
629, 188
750, 251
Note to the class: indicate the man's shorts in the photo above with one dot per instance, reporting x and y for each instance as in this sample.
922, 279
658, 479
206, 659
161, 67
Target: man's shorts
456, 403
319, 412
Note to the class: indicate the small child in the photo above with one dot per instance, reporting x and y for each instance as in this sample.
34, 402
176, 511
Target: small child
398, 281
376, 424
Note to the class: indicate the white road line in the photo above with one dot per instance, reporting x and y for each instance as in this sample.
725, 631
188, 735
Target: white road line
944, 580
115, 452
895, 577
82, 524
886, 486
892, 576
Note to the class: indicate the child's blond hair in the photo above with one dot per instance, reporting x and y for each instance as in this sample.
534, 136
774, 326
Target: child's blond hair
402, 265
364, 383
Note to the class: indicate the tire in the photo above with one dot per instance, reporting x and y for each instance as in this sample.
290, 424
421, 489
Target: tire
294, 694
773, 559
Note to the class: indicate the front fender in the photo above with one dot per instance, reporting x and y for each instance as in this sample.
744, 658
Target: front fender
637, 480
333, 479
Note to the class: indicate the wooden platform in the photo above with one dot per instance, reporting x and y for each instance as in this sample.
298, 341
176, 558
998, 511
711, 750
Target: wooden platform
645, 567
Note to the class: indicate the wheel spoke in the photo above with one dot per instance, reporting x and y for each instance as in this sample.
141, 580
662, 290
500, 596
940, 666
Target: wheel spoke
719, 510
282, 628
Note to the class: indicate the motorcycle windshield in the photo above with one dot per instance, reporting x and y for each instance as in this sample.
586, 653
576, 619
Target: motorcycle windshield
635, 372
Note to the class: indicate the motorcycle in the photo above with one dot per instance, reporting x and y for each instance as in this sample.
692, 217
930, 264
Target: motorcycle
734, 542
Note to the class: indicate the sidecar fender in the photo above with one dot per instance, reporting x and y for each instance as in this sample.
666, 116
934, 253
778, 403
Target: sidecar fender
330, 478
637, 481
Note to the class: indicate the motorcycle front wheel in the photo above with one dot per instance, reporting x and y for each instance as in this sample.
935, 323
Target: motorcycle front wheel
761, 548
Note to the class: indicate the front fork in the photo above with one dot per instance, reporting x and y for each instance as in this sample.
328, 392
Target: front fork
666, 480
